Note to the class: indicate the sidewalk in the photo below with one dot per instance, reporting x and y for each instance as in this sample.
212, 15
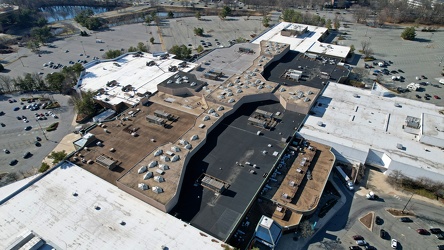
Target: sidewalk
287, 242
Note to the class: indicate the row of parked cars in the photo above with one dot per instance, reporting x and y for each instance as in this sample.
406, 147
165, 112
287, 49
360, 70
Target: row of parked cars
360, 241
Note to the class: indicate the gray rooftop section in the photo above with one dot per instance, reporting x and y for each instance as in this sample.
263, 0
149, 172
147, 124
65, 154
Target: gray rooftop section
171, 81
228, 60
234, 140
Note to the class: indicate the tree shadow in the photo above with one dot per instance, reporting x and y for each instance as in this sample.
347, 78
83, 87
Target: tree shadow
422, 40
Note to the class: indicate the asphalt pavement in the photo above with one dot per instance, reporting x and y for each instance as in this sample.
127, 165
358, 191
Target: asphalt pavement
18, 140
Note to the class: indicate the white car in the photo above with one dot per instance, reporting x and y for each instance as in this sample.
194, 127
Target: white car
394, 243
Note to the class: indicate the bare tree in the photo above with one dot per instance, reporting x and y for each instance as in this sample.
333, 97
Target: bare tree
306, 229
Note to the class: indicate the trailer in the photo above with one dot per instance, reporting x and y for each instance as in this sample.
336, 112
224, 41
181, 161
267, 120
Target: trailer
345, 178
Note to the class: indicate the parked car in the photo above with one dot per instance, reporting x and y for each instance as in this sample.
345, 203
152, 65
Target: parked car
355, 248
28, 128
394, 243
379, 220
13, 162
440, 247
405, 219
382, 233
27, 155
440, 236
422, 231
6, 151
435, 230
38, 138
358, 237
361, 242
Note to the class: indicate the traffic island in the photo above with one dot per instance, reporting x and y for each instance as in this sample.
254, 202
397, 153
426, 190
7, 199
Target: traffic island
398, 212
367, 220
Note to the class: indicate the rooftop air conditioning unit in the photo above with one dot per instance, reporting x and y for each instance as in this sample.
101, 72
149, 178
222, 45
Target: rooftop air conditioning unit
152, 164
158, 152
148, 175
142, 186
141, 170
157, 190
159, 179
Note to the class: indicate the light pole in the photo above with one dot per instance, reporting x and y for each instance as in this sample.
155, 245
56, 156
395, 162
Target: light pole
406, 204
81, 42
41, 129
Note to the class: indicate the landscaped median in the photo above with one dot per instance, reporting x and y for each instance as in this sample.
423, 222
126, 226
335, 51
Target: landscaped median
367, 220
52, 127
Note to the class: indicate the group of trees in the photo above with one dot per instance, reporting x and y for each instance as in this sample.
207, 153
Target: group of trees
398, 179
86, 19
110, 54
291, 15
58, 81
226, 11
198, 31
181, 52
84, 105
409, 33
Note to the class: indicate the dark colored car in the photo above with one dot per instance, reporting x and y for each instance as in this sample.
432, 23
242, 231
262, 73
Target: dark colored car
38, 138
435, 230
37, 144
358, 237
382, 234
27, 155
440, 236
378, 220
422, 231
13, 162
405, 219
355, 248
440, 247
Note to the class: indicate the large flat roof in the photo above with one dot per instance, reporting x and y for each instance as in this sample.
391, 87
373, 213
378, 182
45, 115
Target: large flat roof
92, 219
234, 140
306, 42
362, 127
128, 70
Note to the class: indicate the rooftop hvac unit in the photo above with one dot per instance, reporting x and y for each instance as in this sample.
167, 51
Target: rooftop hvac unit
194, 137
282, 89
185, 77
160, 171
355, 95
310, 92
320, 124
164, 167
206, 118
188, 146
159, 179
306, 99
183, 142
158, 152
229, 84
152, 164
148, 175
175, 158
230, 94
165, 158
193, 84
141, 170
257, 81
211, 110
142, 186
169, 81
260, 87
239, 91
157, 190
231, 100
399, 146
176, 76
220, 108
175, 149
215, 114
221, 96
300, 94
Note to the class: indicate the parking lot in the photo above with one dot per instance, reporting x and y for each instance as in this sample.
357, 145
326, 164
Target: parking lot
404, 232
20, 129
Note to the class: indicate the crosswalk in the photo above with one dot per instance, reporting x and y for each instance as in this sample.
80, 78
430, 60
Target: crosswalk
397, 197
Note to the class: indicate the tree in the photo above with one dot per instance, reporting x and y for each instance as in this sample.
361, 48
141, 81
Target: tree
409, 33
200, 49
352, 49
142, 47
132, 49
266, 21
226, 11
43, 167
55, 81
306, 229
170, 14
110, 54
198, 31
181, 52
41, 35
336, 23
57, 156
33, 45
152, 40
148, 19
85, 104
198, 15
328, 24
